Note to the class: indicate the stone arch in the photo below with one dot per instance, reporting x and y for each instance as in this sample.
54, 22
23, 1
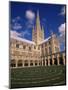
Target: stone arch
50, 61
13, 63
26, 63
61, 60
31, 62
19, 63
55, 61
39, 62
47, 62
36, 63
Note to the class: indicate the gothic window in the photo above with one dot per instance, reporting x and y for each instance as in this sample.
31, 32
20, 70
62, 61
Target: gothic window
35, 62
49, 42
31, 63
19, 63
30, 48
24, 47
26, 63
34, 47
13, 63
17, 45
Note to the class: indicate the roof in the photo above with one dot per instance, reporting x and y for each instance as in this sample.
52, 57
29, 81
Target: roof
23, 40
45, 40
28, 41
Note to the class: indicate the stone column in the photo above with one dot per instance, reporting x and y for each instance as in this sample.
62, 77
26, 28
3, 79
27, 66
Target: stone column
33, 63
58, 60
52, 59
23, 63
38, 62
64, 58
16, 63
48, 60
28, 63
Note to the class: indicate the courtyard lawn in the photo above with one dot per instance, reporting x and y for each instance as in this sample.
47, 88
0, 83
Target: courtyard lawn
38, 76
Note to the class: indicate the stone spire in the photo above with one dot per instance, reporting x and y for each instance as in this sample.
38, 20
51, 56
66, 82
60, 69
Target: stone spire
38, 27
37, 35
42, 33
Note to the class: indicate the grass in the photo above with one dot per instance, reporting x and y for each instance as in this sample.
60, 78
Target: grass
38, 76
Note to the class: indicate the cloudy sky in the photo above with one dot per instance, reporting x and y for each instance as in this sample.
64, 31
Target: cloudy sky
23, 18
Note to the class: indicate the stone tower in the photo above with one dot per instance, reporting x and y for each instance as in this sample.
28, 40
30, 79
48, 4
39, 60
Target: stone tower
37, 32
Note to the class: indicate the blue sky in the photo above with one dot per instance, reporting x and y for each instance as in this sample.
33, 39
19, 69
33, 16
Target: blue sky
23, 18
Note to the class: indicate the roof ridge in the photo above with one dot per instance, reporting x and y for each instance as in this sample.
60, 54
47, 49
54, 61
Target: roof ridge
22, 39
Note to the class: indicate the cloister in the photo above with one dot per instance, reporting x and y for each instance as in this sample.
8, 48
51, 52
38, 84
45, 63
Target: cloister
53, 59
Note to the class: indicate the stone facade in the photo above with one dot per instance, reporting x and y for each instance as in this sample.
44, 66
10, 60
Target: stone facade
38, 52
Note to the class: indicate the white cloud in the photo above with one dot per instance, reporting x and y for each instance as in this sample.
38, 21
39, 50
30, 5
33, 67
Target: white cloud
61, 37
24, 33
14, 34
30, 15
62, 11
62, 29
17, 26
18, 17
13, 20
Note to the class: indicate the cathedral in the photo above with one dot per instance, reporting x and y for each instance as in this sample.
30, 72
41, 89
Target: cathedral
38, 52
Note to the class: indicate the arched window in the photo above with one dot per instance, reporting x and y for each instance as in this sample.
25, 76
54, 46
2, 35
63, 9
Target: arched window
34, 47
29, 48
17, 45
13, 63
31, 63
24, 47
26, 63
35, 62
19, 63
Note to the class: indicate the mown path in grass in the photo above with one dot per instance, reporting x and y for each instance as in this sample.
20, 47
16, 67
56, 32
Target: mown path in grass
38, 76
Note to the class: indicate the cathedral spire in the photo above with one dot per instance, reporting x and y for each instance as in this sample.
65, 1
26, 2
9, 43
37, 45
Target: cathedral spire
33, 33
37, 33
42, 33
38, 21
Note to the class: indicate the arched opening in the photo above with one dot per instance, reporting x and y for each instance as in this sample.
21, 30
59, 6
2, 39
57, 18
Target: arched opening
13, 63
47, 62
55, 61
43, 62
39, 63
19, 63
31, 63
65, 59
61, 60
50, 61
26, 63
35, 62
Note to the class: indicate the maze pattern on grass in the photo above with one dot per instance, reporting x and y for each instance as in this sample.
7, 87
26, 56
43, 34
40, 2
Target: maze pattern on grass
38, 76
